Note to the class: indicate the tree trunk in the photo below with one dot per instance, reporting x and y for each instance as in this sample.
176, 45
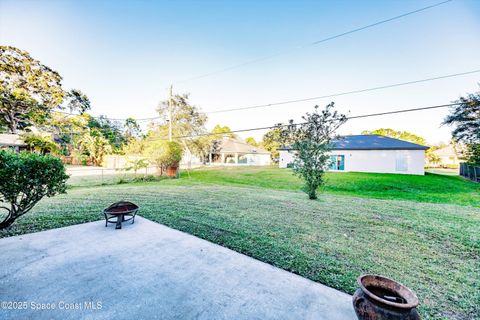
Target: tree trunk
12, 122
7, 222
12, 127
312, 194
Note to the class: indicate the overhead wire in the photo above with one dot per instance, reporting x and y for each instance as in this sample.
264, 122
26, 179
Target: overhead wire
313, 43
301, 123
331, 95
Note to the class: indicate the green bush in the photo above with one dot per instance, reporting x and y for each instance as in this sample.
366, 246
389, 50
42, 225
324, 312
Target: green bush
164, 154
25, 178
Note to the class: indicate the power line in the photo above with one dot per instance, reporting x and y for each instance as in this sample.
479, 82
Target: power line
297, 124
271, 127
342, 93
301, 99
314, 43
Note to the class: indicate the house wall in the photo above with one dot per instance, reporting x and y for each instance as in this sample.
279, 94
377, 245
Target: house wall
243, 159
378, 161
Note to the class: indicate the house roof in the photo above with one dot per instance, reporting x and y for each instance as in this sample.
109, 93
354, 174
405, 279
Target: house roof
229, 145
11, 140
371, 142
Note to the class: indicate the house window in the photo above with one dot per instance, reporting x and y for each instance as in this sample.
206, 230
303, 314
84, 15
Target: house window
242, 158
337, 162
229, 158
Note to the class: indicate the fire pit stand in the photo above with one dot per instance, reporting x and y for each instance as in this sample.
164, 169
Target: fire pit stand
118, 212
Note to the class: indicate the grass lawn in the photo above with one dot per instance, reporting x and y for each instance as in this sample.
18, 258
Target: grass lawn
429, 239
429, 188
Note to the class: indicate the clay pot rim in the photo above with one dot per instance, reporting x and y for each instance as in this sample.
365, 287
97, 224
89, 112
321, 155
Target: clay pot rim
410, 297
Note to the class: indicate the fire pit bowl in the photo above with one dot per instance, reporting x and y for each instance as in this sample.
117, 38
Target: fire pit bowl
117, 212
381, 298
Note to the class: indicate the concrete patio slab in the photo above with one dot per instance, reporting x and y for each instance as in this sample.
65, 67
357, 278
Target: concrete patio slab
149, 271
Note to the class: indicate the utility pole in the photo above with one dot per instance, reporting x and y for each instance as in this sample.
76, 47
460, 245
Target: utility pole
170, 105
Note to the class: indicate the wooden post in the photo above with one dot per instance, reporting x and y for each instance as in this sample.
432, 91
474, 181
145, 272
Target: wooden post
170, 103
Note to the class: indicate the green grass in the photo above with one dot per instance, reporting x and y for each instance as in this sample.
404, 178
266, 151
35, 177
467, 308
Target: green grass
429, 188
430, 244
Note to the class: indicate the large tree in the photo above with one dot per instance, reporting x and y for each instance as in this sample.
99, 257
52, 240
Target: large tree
77, 101
187, 123
272, 140
402, 135
251, 141
109, 129
223, 131
465, 118
94, 145
312, 141
28, 89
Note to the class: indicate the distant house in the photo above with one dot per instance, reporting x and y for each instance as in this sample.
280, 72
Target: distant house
369, 153
448, 156
12, 141
231, 151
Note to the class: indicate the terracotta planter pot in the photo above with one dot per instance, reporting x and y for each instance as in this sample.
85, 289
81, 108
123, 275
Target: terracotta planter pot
380, 298
172, 171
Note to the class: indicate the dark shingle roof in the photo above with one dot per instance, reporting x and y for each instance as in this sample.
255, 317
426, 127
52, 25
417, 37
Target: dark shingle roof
371, 142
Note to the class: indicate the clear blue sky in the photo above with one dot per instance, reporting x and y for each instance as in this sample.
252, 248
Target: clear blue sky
124, 54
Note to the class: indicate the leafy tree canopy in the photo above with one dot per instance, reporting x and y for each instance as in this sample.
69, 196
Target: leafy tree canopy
41, 144
132, 128
94, 145
402, 135
28, 89
222, 131
273, 140
164, 153
112, 131
312, 143
187, 120
77, 101
465, 119
251, 141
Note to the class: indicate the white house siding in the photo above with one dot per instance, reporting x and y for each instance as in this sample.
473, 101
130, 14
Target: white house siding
249, 159
258, 159
377, 161
285, 158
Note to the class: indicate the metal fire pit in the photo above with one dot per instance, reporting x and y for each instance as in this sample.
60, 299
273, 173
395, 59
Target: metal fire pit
383, 298
120, 212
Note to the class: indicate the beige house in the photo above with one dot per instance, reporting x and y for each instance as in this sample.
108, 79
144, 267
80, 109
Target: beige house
8, 140
448, 156
235, 152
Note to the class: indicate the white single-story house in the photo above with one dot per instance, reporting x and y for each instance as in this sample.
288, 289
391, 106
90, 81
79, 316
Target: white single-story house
231, 151
369, 153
